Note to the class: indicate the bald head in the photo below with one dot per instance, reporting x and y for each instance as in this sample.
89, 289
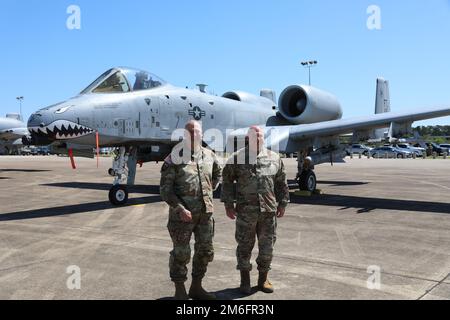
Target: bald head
255, 130
191, 124
193, 133
255, 136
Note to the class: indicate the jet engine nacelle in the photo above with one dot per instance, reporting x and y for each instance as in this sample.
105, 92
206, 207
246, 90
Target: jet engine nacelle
301, 104
248, 98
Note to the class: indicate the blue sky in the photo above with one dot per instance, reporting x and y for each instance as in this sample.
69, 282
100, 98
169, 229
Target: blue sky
245, 45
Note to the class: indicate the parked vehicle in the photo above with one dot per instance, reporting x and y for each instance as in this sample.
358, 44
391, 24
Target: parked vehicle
43, 151
433, 147
420, 152
358, 149
26, 151
390, 152
35, 151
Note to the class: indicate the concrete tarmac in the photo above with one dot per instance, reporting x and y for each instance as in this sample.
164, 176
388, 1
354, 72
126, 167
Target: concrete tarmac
391, 216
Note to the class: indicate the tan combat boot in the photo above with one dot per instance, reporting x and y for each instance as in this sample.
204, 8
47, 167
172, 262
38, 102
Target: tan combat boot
197, 292
180, 291
245, 287
264, 284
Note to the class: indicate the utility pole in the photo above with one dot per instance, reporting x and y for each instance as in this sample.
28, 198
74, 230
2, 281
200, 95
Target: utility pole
20, 99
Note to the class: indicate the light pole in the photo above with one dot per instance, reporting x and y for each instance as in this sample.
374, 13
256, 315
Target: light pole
20, 101
309, 65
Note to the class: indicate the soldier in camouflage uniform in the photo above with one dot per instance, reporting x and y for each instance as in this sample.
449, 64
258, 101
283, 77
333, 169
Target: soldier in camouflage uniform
187, 187
262, 196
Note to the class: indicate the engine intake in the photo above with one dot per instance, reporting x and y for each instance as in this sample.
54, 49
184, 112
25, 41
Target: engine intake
304, 104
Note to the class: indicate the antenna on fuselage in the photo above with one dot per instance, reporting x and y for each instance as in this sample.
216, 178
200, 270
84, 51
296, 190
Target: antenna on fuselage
202, 87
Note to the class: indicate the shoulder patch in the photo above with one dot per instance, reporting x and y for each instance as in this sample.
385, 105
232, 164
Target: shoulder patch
168, 160
167, 163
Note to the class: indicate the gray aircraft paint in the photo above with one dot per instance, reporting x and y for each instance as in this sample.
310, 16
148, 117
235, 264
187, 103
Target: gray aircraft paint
11, 132
12, 129
382, 105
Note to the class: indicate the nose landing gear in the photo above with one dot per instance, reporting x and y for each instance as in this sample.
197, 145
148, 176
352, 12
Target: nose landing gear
123, 170
118, 195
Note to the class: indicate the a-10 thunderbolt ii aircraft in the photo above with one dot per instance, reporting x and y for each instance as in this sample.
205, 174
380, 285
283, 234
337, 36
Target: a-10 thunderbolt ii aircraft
137, 112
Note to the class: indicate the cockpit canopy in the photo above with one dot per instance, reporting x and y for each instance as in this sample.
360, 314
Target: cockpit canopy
119, 80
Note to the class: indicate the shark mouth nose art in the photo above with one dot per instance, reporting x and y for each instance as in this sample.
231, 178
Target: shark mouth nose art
61, 129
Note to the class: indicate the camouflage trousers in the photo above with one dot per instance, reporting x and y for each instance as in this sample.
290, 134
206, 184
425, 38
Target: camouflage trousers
202, 226
252, 224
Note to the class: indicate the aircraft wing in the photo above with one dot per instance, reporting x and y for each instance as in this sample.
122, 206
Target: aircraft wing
288, 137
13, 134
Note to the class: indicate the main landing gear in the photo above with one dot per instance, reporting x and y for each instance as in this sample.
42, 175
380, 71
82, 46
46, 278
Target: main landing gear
306, 178
124, 172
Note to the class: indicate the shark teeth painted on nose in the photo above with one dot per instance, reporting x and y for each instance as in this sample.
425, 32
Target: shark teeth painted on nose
62, 130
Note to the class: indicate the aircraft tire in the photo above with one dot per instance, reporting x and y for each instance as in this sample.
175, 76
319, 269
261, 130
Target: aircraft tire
118, 195
308, 181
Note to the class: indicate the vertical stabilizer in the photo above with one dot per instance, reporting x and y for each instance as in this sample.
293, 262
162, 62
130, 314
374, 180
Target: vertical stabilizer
382, 99
382, 105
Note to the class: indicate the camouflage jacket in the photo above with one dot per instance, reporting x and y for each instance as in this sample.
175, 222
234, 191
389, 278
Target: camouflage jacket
190, 186
261, 185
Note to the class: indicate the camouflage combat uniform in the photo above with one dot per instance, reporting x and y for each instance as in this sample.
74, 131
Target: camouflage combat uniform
190, 186
261, 189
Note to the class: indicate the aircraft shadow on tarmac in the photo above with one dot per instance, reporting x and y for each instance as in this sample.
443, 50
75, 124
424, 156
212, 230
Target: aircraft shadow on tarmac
154, 189
366, 205
73, 209
343, 183
293, 184
144, 189
361, 204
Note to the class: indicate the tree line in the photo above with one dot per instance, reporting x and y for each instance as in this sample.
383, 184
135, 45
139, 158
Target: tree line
434, 131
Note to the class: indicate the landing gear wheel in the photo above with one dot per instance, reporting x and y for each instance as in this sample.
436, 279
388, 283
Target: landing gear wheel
308, 181
118, 195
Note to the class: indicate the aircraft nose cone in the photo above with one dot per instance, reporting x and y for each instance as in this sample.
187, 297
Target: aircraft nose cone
56, 124
39, 119
38, 127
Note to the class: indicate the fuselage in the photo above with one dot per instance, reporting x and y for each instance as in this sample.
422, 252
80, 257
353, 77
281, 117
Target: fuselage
7, 123
136, 117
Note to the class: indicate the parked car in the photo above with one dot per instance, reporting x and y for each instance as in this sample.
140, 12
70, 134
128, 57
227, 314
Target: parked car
25, 151
358, 149
446, 146
391, 152
420, 152
433, 147
33, 151
43, 151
